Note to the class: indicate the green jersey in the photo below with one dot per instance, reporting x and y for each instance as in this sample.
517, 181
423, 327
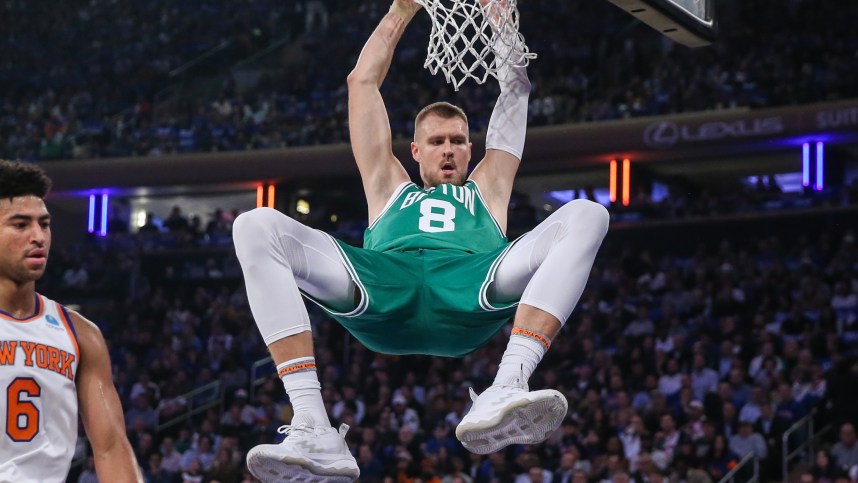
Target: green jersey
445, 217
424, 274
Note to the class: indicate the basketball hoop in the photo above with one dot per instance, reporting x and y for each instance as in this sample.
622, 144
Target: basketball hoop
470, 40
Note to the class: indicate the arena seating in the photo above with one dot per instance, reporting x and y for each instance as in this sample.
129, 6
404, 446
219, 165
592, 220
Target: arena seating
102, 94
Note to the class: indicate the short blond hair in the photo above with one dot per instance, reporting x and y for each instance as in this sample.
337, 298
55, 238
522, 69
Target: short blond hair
442, 109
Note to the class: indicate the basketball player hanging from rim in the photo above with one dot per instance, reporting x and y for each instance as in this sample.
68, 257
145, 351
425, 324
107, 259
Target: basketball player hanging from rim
436, 274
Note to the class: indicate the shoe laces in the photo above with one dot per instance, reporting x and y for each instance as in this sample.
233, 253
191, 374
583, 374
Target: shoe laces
288, 429
515, 384
303, 428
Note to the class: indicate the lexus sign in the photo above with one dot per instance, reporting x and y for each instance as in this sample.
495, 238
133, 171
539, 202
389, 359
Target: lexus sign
666, 134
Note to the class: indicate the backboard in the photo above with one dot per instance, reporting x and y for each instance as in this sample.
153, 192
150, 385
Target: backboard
688, 22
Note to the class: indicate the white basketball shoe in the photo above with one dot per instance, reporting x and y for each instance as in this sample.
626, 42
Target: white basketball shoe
308, 454
508, 414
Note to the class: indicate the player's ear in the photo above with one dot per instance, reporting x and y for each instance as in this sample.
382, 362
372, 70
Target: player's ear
415, 151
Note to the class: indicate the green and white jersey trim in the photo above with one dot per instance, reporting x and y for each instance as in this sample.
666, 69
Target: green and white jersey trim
391, 201
364, 294
491, 215
490, 277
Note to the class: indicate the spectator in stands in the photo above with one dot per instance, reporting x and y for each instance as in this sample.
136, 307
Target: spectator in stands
193, 472
823, 470
141, 415
145, 387
632, 440
176, 222
669, 438
144, 446
694, 421
641, 325
703, 378
403, 415
721, 459
845, 303
767, 352
224, 468
154, 471
349, 399
746, 442
741, 392
149, 226
670, 381
725, 357
845, 451
752, 410
200, 453
569, 463
231, 423
371, 467
171, 458
771, 427
535, 474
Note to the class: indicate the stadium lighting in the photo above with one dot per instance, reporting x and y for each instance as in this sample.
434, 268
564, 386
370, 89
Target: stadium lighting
104, 199
820, 165
90, 225
303, 207
613, 181
627, 182
271, 190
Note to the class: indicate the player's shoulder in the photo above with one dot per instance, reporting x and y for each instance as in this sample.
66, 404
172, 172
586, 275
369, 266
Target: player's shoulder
88, 334
81, 323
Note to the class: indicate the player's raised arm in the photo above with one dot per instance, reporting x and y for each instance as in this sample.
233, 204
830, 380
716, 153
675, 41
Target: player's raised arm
100, 408
506, 132
369, 127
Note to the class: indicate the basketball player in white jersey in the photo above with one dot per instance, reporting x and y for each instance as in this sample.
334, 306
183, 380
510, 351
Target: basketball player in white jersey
54, 363
436, 274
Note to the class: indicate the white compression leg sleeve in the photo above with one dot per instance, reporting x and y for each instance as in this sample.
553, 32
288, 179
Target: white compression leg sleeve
549, 266
278, 255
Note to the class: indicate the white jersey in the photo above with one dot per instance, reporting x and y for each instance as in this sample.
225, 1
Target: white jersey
39, 358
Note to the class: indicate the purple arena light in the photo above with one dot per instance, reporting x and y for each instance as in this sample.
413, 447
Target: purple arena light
90, 226
104, 199
820, 165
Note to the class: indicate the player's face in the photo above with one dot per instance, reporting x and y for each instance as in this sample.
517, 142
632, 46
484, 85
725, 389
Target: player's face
25, 238
442, 148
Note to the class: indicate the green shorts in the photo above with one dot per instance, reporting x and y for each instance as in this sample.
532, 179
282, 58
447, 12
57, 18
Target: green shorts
423, 302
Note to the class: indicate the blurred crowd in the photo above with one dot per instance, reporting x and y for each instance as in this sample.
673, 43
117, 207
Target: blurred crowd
106, 79
676, 365
681, 199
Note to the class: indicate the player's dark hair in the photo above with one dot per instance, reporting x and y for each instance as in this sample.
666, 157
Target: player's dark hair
22, 179
444, 110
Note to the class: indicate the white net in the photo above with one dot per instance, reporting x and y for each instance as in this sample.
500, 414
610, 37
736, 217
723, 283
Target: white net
473, 41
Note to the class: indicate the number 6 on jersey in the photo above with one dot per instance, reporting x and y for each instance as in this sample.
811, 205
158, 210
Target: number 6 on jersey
22, 416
